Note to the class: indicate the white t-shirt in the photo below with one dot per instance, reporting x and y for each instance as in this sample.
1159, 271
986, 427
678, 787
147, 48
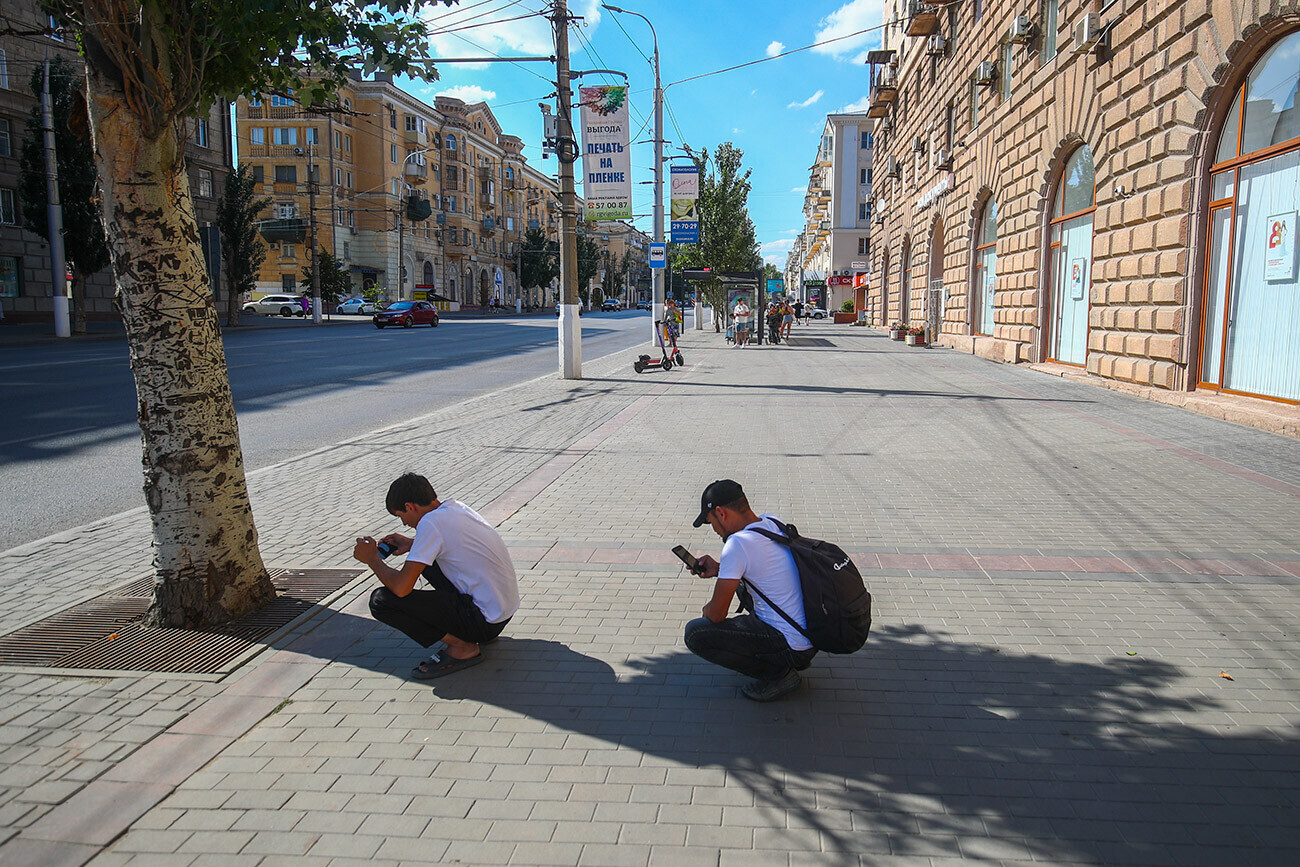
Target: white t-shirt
472, 555
769, 566
742, 314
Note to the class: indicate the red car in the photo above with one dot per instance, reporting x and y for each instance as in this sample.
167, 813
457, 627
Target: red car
407, 314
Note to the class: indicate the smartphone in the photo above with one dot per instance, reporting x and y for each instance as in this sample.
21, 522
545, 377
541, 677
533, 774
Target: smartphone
685, 556
385, 550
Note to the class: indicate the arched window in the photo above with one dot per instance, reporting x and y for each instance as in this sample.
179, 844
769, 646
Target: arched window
428, 273
451, 142
984, 278
1070, 260
1250, 323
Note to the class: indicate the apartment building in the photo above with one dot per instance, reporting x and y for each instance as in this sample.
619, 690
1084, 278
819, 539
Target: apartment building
369, 161
831, 256
1106, 188
623, 241
26, 286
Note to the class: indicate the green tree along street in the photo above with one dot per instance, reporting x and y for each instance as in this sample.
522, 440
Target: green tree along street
335, 283
589, 259
242, 246
727, 237
151, 66
539, 260
83, 235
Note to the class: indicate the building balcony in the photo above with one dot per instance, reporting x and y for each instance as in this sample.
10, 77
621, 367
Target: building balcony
489, 224
413, 137
293, 230
923, 19
417, 174
882, 97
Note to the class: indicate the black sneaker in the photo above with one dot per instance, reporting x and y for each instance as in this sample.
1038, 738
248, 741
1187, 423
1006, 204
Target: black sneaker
771, 690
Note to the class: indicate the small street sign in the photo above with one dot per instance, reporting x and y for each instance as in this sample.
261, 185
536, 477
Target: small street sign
658, 255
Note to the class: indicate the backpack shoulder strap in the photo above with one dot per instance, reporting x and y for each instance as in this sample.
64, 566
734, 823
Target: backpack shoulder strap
777, 609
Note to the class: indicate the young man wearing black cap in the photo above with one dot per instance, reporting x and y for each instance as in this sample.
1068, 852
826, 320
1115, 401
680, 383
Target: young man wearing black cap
761, 644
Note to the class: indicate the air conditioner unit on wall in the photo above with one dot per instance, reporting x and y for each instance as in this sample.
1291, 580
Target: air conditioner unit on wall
891, 167
986, 73
1022, 30
936, 45
918, 145
1088, 33
941, 159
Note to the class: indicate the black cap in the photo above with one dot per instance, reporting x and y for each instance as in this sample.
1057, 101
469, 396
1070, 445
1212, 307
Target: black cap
723, 492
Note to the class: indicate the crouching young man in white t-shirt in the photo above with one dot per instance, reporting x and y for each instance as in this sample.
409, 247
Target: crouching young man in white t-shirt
761, 644
473, 589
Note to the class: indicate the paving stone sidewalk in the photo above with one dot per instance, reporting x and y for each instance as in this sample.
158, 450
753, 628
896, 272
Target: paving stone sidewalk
1062, 576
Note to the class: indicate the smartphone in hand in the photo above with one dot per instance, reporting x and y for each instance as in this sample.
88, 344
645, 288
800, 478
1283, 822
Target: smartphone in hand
386, 550
686, 557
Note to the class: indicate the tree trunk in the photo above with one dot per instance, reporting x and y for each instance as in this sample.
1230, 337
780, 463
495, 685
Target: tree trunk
232, 301
207, 566
78, 302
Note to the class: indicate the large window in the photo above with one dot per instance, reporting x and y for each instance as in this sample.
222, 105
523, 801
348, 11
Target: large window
9, 276
1051, 10
986, 270
1070, 263
286, 174
6, 138
1250, 322
286, 135
8, 207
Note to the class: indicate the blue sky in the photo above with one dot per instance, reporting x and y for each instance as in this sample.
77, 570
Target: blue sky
773, 111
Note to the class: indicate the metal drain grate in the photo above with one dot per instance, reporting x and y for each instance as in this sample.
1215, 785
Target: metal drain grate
106, 633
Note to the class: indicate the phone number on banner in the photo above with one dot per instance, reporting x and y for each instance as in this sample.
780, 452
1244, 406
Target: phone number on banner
616, 210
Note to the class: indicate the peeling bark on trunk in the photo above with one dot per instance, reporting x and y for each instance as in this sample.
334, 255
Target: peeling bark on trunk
208, 569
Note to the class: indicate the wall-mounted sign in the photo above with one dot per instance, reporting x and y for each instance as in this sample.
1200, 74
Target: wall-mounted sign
858, 266
932, 195
1279, 241
606, 158
684, 193
840, 281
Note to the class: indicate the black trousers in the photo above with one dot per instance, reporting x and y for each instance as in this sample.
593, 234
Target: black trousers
747, 645
427, 615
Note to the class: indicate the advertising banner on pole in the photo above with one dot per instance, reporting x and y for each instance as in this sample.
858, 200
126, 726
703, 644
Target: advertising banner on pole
683, 197
606, 158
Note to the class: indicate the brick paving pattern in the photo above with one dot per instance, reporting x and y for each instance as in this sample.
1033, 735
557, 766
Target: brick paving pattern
1062, 575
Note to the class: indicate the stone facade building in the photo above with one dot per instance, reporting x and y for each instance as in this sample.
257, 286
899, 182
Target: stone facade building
1104, 187
369, 159
25, 280
831, 255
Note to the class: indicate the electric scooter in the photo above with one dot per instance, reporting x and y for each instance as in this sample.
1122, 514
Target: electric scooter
645, 362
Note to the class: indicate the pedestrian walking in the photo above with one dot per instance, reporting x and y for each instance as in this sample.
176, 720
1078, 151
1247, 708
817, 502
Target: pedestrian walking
798, 310
787, 318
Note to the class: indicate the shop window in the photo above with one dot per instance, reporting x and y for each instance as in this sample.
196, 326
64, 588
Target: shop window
1070, 262
985, 268
1250, 323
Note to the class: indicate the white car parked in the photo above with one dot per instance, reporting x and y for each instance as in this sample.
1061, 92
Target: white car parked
356, 306
271, 305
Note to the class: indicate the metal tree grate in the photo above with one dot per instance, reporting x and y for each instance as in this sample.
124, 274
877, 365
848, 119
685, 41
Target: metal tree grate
106, 633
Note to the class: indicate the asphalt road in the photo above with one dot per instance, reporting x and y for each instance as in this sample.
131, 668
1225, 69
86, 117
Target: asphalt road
70, 445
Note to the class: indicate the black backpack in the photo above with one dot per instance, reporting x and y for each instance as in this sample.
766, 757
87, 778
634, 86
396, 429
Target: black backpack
836, 603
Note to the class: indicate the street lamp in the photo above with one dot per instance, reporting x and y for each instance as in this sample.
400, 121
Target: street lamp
657, 274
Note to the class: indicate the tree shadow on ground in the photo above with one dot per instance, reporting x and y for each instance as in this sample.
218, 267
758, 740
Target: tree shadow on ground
927, 745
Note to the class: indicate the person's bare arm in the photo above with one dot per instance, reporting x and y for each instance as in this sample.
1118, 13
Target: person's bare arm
723, 592
400, 581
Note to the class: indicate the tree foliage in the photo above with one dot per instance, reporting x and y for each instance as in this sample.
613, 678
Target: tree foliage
242, 246
335, 281
728, 241
539, 260
85, 246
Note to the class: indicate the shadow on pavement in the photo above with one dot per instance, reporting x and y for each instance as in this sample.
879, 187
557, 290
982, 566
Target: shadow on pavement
926, 744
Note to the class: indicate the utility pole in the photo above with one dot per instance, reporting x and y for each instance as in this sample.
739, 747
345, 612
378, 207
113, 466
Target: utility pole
54, 213
566, 149
315, 251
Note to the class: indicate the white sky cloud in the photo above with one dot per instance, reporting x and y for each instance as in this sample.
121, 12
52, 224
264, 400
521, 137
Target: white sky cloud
469, 93
527, 36
798, 189
855, 107
775, 251
849, 18
774, 48
807, 102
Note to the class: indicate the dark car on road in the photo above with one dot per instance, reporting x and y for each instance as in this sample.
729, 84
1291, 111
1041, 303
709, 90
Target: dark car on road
407, 314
